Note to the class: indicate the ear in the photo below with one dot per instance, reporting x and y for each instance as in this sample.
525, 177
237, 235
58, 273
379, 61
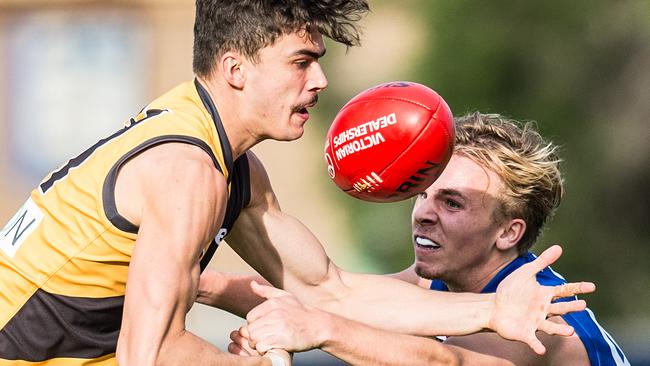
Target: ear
231, 66
511, 232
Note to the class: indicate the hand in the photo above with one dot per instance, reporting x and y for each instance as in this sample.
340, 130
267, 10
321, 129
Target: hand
240, 344
522, 305
283, 322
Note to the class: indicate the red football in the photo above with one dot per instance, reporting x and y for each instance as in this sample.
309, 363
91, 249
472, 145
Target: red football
390, 142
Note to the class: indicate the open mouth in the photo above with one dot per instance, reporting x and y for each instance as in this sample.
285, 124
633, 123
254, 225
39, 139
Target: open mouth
426, 243
302, 109
303, 113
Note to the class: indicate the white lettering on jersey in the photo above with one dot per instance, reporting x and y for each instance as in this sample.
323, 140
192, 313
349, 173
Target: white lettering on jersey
220, 235
13, 235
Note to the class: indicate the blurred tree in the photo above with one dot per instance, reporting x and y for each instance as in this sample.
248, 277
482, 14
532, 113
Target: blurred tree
573, 67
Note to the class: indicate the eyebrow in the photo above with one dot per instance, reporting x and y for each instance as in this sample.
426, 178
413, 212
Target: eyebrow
451, 192
309, 53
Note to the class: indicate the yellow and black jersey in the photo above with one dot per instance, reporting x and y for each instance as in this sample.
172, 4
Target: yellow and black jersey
64, 256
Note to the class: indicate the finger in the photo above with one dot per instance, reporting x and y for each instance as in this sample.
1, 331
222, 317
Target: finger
242, 342
234, 335
536, 345
563, 307
553, 328
574, 288
263, 348
243, 331
548, 257
235, 349
267, 292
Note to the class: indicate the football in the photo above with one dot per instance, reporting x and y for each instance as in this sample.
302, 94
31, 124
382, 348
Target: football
390, 142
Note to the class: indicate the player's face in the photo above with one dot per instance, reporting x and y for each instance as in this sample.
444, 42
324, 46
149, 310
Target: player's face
454, 227
285, 83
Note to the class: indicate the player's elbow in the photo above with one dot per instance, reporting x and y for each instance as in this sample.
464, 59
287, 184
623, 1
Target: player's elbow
448, 358
324, 289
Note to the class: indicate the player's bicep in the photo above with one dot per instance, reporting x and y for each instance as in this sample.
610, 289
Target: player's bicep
277, 245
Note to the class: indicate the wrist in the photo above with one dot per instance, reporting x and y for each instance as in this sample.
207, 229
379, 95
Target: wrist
277, 357
486, 312
326, 330
335, 332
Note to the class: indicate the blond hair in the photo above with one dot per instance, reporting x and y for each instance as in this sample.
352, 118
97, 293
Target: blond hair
528, 165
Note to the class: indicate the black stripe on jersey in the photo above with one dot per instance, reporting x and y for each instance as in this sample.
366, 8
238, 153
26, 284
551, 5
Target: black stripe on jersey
108, 191
78, 160
50, 326
240, 194
223, 138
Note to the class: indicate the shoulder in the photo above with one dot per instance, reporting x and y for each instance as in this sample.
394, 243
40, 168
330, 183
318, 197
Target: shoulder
170, 174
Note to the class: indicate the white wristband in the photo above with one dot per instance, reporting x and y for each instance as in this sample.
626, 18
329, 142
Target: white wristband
276, 360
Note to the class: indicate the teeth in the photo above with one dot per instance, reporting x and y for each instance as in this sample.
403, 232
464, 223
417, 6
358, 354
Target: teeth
426, 242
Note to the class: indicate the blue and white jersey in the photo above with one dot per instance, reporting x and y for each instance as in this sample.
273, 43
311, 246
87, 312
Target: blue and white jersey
600, 346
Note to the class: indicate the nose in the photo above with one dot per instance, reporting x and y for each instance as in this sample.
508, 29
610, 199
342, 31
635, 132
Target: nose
317, 80
424, 211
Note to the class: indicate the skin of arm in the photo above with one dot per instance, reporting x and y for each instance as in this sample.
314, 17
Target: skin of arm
560, 350
270, 241
228, 291
297, 327
177, 215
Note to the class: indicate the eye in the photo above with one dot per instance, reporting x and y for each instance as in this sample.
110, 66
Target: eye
453, 204
302, 64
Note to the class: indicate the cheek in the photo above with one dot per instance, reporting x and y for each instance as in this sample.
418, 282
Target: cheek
466, 230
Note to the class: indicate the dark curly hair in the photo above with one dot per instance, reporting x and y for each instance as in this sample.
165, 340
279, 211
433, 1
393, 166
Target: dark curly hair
247, 26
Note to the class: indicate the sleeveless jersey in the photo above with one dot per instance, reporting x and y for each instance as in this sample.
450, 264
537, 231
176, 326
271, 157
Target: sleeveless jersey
600, 346
64, 256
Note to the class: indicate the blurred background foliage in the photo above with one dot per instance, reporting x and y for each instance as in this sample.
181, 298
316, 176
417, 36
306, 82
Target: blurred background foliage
581, 69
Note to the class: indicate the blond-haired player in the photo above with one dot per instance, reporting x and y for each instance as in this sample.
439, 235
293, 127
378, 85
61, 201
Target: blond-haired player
472, 228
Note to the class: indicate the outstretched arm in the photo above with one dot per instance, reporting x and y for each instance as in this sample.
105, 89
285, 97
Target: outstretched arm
287, 254
300, 327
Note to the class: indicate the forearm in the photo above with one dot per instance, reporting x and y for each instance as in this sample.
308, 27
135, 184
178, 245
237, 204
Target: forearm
361, 345
188, 349
467, 357
397, 306
229, 292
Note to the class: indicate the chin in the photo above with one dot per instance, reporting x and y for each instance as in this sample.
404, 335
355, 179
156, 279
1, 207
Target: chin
427, 271
290, 135
295, 133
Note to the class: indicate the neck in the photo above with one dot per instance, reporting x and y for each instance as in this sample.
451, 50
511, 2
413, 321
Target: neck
233, 117
476, 280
